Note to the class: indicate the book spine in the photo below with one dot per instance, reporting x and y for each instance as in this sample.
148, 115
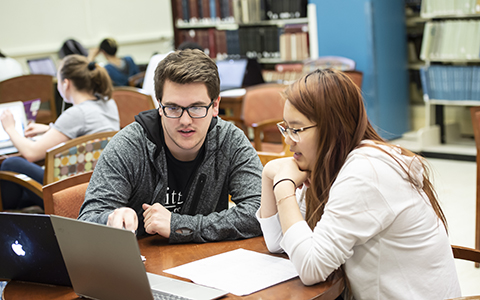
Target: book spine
425, 82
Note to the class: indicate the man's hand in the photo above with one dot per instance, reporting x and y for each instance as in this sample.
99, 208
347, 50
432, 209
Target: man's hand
124, 217
157, 219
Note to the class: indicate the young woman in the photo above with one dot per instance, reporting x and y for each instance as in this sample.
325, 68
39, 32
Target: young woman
348, 198
85, 85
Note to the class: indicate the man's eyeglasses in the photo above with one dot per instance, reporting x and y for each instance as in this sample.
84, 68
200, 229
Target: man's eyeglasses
176, 112
292, 132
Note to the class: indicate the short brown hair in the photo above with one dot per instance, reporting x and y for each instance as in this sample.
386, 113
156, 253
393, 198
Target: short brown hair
187, 66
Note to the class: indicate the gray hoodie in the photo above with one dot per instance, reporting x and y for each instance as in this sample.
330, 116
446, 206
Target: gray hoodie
132, 170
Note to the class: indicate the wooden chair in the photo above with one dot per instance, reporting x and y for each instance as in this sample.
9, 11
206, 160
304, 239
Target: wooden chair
136, 80
262, 109
130, 102
475, 114
355, 76
29, 87
75, 156
65, 197
468, 254
22, 180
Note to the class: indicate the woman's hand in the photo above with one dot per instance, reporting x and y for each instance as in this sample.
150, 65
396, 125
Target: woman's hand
285, 168
34, 129
8, 122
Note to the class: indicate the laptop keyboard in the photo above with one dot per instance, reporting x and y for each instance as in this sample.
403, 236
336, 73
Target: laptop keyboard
159, 295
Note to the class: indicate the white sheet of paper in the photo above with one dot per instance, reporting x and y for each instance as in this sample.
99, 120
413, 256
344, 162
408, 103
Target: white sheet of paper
240, 272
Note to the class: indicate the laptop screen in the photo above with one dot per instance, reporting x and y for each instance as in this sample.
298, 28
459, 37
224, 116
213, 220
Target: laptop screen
232, 73
18, 111
43, 65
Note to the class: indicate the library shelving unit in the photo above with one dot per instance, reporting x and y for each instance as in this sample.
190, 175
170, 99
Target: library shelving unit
272, 31
451, 75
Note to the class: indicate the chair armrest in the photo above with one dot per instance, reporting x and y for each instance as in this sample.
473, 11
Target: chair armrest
265, 123
22, 180
465, 253
257, 130
136, 80
265, 157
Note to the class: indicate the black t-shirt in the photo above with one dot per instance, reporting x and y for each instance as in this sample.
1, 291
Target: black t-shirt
180, 176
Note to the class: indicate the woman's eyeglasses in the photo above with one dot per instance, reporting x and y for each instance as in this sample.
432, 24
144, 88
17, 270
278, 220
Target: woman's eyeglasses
292, 132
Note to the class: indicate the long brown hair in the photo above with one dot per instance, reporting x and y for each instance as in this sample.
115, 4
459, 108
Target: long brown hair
330, 99
86, 76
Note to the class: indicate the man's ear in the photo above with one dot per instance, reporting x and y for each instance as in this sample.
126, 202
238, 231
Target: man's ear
216, 106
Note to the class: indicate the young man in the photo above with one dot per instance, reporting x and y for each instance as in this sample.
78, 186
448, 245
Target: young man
171, 171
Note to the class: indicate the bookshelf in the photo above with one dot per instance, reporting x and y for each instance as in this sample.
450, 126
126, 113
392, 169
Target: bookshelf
272, 31
451, 74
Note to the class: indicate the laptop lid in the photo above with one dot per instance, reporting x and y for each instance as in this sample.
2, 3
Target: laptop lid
18, 110
231, 73
30, 250
105, 263
44, 65
31, 109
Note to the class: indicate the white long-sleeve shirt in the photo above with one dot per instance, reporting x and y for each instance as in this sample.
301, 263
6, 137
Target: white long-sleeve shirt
380, 227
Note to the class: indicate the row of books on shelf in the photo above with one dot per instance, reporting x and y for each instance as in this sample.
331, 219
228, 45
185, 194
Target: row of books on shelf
284, 73
451, 82
271, 42
454, 39
194, 12
435, 8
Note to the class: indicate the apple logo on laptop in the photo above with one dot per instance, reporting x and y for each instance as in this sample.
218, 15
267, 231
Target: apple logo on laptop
18, 249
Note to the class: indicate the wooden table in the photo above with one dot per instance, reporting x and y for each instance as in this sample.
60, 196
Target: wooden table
231, 102
161, 256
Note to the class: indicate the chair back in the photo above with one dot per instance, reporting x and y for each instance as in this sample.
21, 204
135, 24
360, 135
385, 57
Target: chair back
130, 102
264, 102
65, 197
29, 87
355, 76
75, 156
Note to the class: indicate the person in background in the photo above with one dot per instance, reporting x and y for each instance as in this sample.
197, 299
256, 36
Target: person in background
119, 68
172, 170
9, 67
87, 86
348, 198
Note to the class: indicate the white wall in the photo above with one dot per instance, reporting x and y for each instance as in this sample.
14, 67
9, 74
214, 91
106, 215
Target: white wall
38, 28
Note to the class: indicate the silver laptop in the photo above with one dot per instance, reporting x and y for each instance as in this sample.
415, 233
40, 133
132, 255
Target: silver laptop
105, 263
231, 73
44, 65
18, 110
30, 250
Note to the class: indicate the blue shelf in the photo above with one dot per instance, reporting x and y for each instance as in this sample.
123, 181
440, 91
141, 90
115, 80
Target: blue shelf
373, 34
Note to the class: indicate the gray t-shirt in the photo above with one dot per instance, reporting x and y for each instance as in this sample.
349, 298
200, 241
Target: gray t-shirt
88, 117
